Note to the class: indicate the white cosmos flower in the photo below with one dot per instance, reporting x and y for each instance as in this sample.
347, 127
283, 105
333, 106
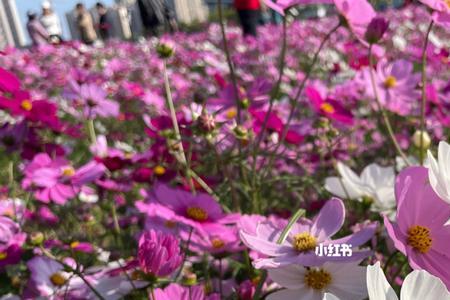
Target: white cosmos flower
376, 182
343, 280
439, 171
419, 284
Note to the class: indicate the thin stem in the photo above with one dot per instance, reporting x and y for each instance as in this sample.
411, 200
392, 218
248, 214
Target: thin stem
186, 248
91, 129
424, 93
75, 271
152, 291
220, 278
383, 112
12, 188
115, 219
229, 61
389, 260
292, 221
176, 127
295, 102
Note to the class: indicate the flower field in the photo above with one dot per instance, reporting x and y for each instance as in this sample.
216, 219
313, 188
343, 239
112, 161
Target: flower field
308, 163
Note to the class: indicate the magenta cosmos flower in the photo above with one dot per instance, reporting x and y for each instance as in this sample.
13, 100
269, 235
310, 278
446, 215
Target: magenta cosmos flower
179, 206
56, 180
420, 232
441, 14
300, 244
328, 107
358, 14
11, 240
159, 253
396, 84
176, 291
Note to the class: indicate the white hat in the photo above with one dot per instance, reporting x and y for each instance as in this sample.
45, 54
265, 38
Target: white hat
46, 5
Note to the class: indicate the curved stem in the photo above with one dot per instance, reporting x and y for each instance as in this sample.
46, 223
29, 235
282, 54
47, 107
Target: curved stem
383, 112
292, 221
91, 129
229, 62
176, 128
298, 94
424, 93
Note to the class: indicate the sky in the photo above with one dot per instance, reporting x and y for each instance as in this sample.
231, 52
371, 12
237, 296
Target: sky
59, 6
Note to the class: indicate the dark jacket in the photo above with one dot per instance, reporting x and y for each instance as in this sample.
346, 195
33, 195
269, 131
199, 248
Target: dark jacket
152, 12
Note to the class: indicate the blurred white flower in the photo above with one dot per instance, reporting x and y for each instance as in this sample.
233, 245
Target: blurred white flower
376, 182
439, 171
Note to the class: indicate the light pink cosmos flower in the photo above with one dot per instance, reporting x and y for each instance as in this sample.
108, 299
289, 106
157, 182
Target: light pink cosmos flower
220, 240
56, 180
47, 276
420, 232
176, 291
300, 244
441, 14
396, 84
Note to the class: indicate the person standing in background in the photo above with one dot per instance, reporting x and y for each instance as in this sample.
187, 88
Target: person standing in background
153, 15
104, 25
249, 15
85, 25
38, 34
51, 23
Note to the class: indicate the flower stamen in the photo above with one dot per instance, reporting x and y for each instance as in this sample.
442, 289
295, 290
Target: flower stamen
304, 242
419, 238
317, 279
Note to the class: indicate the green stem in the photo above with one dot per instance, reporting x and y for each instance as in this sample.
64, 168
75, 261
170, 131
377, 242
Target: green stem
424, 96
176, 128
229, 61
91, 129
292, 221
383, 112
295, 102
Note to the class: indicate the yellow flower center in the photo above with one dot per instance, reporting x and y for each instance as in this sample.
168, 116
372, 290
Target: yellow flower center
197, 213
390, 82
74, 244
217, 243
170, 224
68, 171
159, 170
327, 107
26, 105
231, 113
317, 279
58, 279
304, 242
447, 2
3, 255
419, 238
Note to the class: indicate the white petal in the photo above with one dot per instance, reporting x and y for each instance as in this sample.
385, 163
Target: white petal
377, 284
303, 294
422, 285
335, 186
347, 280
329, 296
291, 277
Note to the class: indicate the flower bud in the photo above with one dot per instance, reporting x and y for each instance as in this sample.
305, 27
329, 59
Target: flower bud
376, 29
207, 122
165, 49
159, 253
36, 238
189, 279
416, 139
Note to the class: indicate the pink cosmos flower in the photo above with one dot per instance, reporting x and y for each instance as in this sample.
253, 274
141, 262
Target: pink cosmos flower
441, 14
11, 240
396, 83
180, 206
220, 240
47, 276
176, 291
420, 231
93, 100
328, 107
56, 180
300, 244
159, 253
8, 82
